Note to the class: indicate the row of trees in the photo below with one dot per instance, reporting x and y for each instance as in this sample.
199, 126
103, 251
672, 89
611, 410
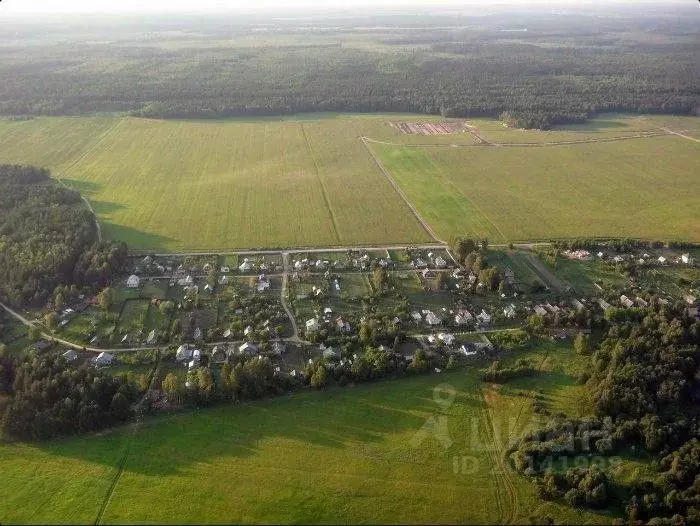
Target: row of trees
45, 398
47, 238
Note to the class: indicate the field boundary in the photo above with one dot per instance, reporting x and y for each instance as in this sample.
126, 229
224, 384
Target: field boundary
401, 193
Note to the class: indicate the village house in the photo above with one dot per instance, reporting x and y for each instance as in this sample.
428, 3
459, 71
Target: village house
278, 348
509, 311
446, 338
463, 317
417, 317
263, 283
227, 334
246, 266
540, 310
103, 359
419, 264
343, 326
223, 280
626, 302
183, 353
687, 259
336, 285
225, 270
604, 305
661, 260
312, 325
432, 319
427, 274
133, 282
248, 348
440, 262
197, 334
151, 338
641, 302
70, 355
467, 350
218, 355
483, 318
247, 330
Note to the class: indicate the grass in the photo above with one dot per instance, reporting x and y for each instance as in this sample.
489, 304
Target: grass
176, 185
350, 455
642, 188
582, 275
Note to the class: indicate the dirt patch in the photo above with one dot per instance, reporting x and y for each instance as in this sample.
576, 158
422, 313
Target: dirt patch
430, 128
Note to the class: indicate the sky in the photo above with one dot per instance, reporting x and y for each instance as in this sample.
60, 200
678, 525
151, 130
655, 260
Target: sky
162, 6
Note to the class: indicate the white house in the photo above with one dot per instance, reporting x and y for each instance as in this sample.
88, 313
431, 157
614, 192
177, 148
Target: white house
263, 283
246, 266
440, 262
662, 260
432, 319
687, 259
419, 263
463, 317
618, 259
227, 333
223, 280
416, 317
70, 355
225, 270
133, 282
484, 318
278, 348
509, 311
446, 338
247, 330
103, 359
312, 325
248, 348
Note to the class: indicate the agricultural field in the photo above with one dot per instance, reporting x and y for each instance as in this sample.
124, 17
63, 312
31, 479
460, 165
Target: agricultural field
174, 185
259, 462
645, 188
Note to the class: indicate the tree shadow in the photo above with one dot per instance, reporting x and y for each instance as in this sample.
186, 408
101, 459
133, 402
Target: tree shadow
338, 418
136, 240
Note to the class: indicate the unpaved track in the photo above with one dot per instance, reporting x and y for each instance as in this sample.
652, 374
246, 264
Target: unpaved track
486, 144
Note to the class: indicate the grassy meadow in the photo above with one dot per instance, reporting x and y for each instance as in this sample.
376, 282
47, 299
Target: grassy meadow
201, 185
177, 185
644, 188
350, 455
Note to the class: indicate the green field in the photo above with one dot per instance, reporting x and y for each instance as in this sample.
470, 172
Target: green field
645, 188
171, 185
174, 185
341, 456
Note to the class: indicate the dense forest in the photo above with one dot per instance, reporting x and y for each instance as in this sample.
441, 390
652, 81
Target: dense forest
41, 397
559, 68
645, 388
48, 238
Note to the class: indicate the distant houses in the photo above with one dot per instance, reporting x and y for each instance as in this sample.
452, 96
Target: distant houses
133, 281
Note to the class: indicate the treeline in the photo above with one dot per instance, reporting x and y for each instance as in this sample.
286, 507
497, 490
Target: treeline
645, 388
529, 84
48, 238
619, 245
41, 397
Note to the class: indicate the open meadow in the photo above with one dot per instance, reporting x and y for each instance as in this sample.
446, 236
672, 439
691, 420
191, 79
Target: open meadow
345, 455
205, 185
641, 187
178, 185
